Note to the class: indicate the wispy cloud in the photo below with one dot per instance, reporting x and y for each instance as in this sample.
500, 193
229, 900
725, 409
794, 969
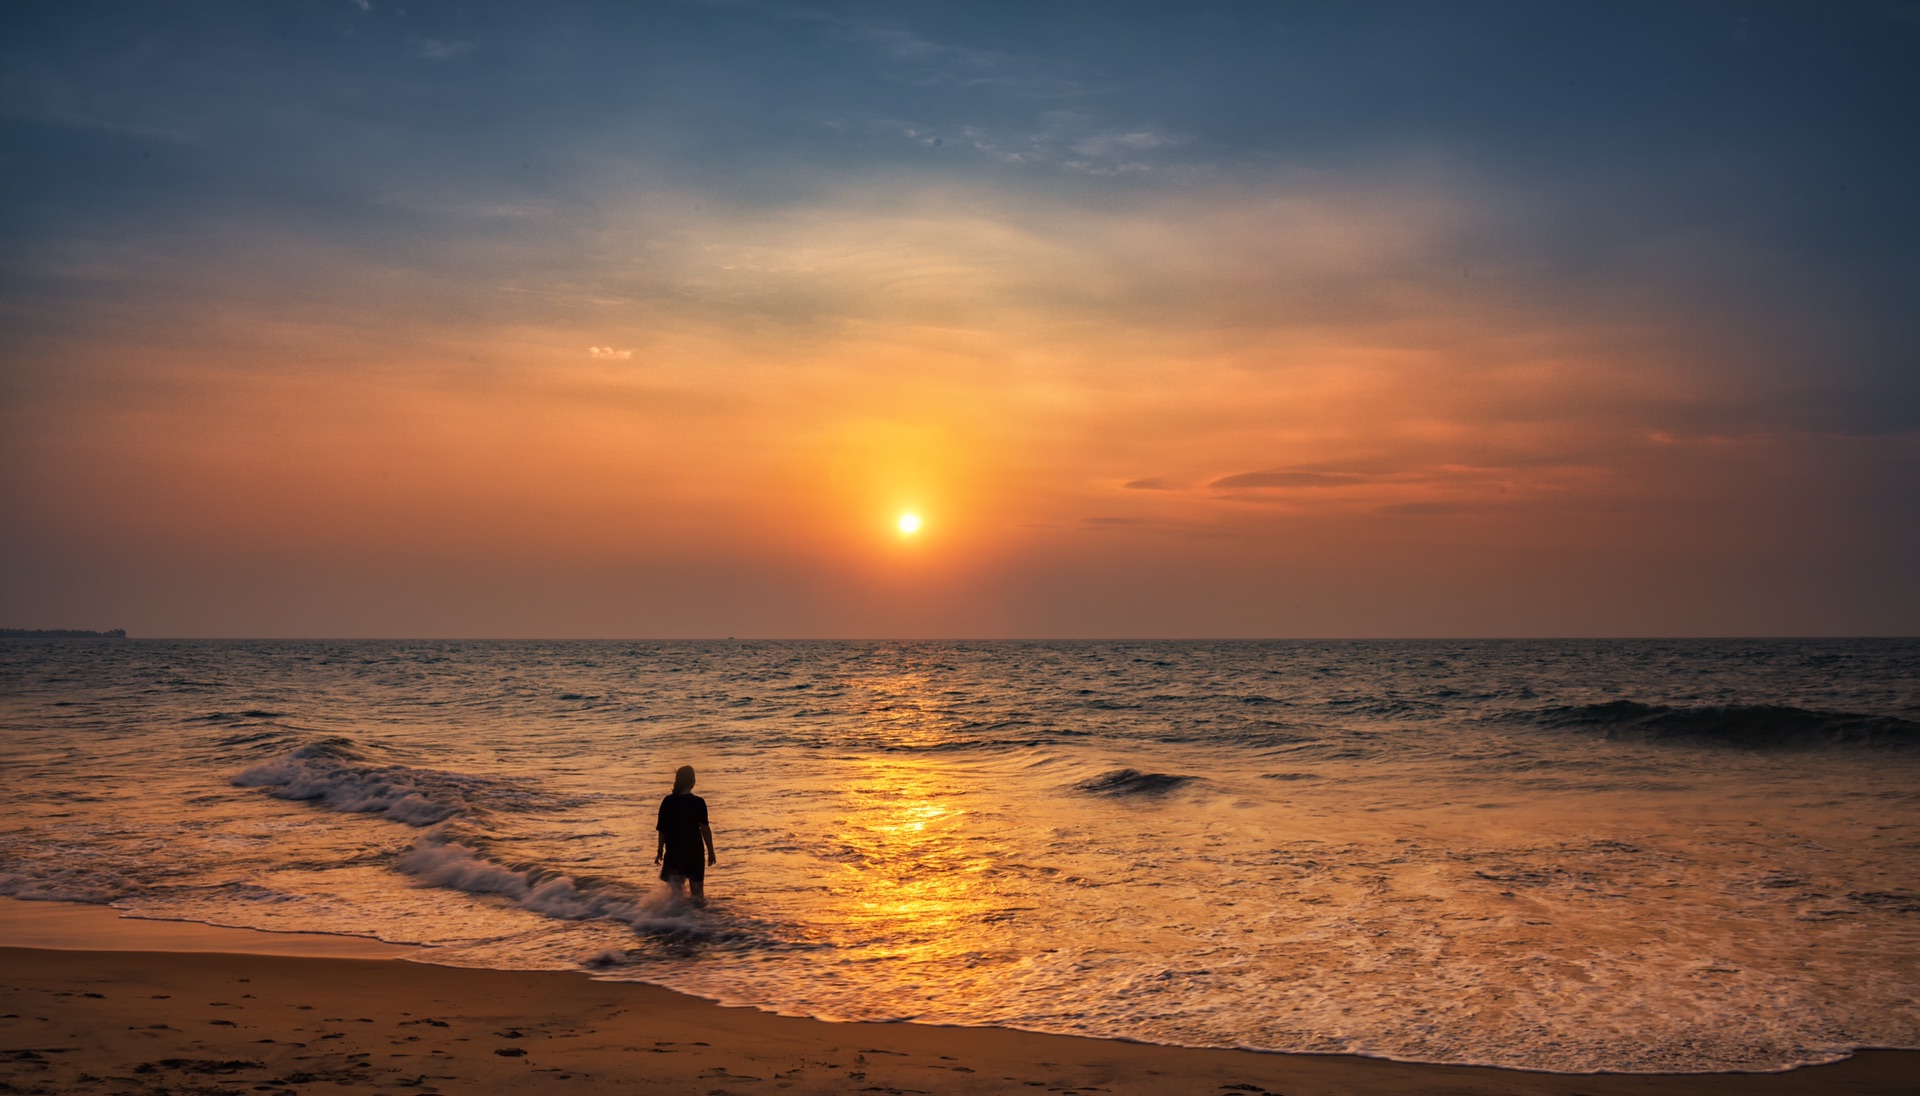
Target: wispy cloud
1070, 141
1285, 479
117, 128
1116, 152
1023, 107
918, 59
608, 353
1433, 509
434, 49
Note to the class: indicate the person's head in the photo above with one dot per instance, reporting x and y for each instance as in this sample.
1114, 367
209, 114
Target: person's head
683, 779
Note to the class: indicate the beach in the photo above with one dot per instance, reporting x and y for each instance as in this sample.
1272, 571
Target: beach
110, 1019
107, 1021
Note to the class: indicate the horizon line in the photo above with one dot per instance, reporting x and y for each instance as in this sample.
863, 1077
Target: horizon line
102, 634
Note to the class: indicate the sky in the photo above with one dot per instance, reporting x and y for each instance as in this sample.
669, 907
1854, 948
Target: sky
352, 318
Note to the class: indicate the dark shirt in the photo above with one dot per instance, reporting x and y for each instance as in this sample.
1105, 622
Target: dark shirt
681, 816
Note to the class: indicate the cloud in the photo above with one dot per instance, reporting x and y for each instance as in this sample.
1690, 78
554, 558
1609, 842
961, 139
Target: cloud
1063, 140
1287, 479
363, 5
608, 353
120, 129
1109, 144
1429, 509
1066, 140
1112, 153
1150, 484
902, 45
922, 61
433, 49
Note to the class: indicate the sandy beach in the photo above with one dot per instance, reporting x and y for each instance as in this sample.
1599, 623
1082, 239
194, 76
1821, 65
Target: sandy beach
194, 1020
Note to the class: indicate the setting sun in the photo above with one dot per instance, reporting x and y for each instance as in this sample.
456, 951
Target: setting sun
908, 524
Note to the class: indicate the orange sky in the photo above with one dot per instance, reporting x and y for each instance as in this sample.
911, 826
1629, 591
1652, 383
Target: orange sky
1314, 401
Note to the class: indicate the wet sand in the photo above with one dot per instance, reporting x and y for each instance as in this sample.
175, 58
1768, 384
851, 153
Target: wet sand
197, 1020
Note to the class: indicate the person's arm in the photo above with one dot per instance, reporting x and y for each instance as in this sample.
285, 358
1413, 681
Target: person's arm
706, 835
660, 835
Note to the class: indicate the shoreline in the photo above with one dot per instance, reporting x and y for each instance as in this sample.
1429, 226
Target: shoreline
197, 1011
83, 926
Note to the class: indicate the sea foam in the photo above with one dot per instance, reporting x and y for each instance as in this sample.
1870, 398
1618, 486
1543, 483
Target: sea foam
337, 774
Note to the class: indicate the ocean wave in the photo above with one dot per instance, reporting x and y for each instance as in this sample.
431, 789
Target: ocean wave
337, 774
40, 883
1267, 734
1130, 782
1380, 707
441, 859
235, 717
1749, 726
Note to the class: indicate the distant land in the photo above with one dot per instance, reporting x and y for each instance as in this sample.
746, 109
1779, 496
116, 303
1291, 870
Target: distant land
61, 633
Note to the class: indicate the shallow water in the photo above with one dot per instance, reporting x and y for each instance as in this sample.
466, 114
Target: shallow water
1554, 855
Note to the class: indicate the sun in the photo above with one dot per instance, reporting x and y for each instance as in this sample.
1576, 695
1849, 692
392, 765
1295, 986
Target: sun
908, 524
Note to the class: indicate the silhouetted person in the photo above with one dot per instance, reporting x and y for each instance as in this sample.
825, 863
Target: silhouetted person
683, 832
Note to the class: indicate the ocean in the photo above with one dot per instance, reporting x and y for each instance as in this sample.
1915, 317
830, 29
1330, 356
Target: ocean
1671, 855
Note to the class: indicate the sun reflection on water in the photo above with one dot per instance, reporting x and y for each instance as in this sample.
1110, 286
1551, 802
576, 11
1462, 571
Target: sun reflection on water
907, 873
913, 841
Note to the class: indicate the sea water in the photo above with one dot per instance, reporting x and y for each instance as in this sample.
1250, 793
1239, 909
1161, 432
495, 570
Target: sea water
1597, 855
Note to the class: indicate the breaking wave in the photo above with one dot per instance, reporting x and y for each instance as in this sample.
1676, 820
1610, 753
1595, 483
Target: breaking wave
1748, 726
1123, 782
237, 717
441, 861
337, 774
452, 809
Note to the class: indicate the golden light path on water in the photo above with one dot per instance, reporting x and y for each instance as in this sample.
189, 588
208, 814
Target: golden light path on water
907, 876
910, 880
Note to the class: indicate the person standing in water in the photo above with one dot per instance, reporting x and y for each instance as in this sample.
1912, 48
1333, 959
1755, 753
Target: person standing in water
683, 830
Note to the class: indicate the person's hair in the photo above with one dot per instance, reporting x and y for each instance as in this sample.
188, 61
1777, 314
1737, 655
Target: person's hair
683, 778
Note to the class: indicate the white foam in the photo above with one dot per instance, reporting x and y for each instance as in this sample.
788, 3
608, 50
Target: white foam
439, 860
417, 797
85, 886
71, 926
